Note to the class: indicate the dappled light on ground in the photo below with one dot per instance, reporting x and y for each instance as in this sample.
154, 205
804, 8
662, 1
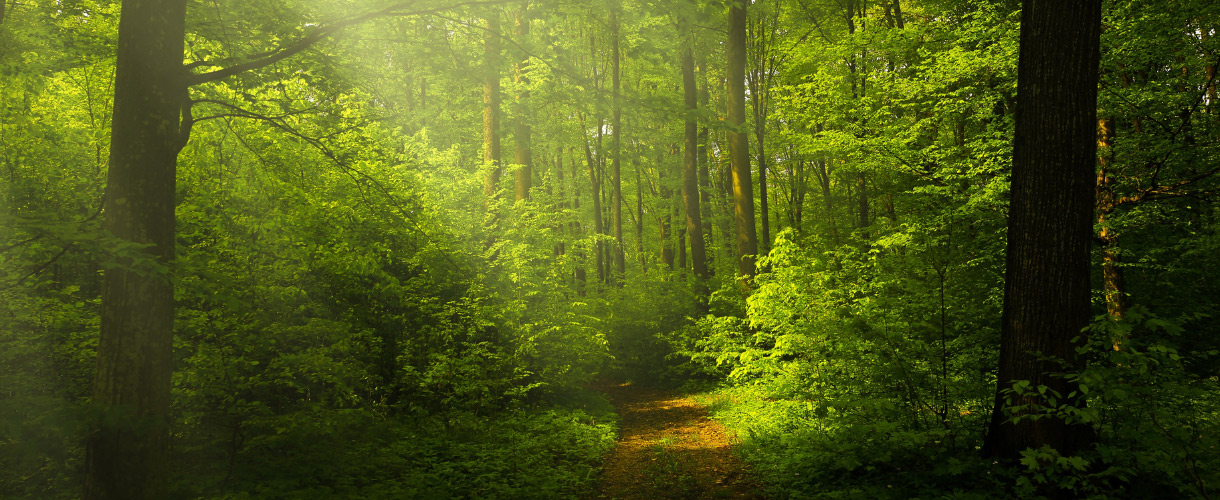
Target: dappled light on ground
669, 448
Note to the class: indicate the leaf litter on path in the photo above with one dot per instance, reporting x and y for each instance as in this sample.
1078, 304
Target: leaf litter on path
668, 448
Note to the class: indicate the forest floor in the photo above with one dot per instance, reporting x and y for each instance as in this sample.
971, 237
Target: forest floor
668, 448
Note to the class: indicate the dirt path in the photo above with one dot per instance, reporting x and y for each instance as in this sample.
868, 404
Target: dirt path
669, 449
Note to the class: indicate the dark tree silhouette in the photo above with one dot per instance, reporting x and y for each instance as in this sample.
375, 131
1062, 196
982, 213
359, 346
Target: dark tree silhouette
1047, 293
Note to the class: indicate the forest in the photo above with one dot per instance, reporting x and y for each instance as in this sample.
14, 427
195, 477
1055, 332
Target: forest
614, 249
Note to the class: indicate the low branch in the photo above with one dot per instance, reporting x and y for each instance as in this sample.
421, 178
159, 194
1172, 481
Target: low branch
319, 34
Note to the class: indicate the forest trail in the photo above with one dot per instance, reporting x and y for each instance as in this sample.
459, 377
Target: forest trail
668, 448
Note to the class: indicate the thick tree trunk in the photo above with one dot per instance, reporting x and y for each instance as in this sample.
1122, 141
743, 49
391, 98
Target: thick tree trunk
126, 455
491, 104
739, 143
1046, 292
522, 155
616, 142
690, 160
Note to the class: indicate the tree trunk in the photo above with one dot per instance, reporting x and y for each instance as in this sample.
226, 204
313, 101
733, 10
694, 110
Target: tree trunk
739, 143
705, 179
724, 174
595, 188
862, 188
801, 187
522, 155
491, 105
1111, 270
760, 88
620, 262
666, 217
563, 202
126, 455
579, 273
1046, 292
681, 244
690, 172
823, 172
639, 213
898, 20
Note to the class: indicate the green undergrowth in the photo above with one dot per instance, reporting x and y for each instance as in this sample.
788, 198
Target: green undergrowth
798, 451
1155, 422
545, 451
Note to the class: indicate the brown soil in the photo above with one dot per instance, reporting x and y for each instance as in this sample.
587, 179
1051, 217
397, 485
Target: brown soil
669, 449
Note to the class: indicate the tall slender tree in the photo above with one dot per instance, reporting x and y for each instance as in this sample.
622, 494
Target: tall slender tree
491, 103
665, 215
1113, 281
739, 142
1046, 291
705, 178
595, 189
762, 36
690, 172
522, 155
639, 213
616, 142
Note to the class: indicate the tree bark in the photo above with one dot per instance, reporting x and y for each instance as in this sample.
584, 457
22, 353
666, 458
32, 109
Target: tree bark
126, 455
522, 155
760, 88
639, 213
491, 105
595, 189
579, 273
690, 172
898, 20
739, 143
1046, 292
823, 172
620, 262
1114, 284
560, 247
666, 216
862, 193
796, 201
705, 179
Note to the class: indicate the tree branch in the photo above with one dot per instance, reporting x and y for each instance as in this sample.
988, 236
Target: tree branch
319, 34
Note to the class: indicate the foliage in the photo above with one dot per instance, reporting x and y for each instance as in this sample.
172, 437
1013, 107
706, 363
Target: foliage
356, 317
